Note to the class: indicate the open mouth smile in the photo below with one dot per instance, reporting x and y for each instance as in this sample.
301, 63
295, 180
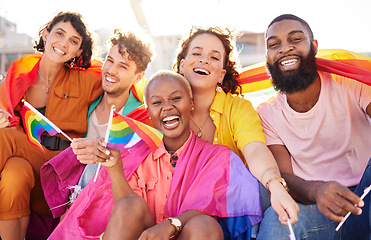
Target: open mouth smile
171, 122
201, 71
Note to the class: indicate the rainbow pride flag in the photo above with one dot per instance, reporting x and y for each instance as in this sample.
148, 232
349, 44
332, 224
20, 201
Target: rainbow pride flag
335, 61
34, 126
126, 132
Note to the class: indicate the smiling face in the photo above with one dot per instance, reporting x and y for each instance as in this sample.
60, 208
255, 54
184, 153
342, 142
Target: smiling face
286, 42
63, 42
119, 73
291, 56
203, 65
169, 105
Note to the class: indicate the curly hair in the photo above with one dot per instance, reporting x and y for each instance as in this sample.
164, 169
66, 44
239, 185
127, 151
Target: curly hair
228, 40
77, 22
138, 51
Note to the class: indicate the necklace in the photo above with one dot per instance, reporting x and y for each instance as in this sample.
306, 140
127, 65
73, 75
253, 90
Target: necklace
199, 134
48, 79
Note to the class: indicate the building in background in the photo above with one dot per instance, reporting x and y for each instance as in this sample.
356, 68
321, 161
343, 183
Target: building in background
12, 45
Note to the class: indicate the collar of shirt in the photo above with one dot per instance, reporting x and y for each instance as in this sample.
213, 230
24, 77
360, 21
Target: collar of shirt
161, 150
218, 103
131, 104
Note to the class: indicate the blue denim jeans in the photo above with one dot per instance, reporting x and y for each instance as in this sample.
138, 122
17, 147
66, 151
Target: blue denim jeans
313, 225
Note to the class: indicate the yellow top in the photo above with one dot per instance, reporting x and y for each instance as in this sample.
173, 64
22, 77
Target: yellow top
237, 122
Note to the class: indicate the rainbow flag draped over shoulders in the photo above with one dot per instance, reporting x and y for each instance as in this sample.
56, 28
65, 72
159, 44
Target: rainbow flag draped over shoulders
19, 78
126, 132
335, 61
34, 126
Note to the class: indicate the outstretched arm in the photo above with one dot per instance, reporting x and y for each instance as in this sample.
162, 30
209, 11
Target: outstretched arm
119, 183
330, 197
264, 167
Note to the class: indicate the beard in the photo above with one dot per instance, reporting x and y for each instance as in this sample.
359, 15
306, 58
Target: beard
298, 79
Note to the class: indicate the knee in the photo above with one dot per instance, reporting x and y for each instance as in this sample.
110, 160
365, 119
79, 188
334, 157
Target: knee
131, 205
17, 181
18, 174
202, 227
271, 227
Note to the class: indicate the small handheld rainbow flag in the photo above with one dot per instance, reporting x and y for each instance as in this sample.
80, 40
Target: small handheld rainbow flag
124, 132
35, 124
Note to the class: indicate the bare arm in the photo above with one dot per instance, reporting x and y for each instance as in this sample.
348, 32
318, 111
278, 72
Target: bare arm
119, 183
330, 197
264, 167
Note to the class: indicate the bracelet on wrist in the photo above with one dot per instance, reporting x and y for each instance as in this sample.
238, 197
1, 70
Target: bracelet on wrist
279, 179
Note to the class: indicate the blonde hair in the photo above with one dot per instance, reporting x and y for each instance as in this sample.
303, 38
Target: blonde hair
167, 73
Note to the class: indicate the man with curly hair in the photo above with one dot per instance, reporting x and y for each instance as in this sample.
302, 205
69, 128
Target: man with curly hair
125, 65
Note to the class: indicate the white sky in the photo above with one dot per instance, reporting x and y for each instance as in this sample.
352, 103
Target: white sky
336, 23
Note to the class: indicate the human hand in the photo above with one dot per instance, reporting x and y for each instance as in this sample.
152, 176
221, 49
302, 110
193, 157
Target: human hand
85, 150
4, 119
94, 151
335, 200
161, 231
283, 203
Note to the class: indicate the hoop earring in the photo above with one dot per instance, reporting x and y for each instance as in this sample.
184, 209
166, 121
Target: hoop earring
72, 62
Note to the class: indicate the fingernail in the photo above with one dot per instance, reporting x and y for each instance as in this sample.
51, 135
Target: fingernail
111, 158
360, 212
108, 152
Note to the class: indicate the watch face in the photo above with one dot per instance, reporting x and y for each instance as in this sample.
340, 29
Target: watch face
176, 222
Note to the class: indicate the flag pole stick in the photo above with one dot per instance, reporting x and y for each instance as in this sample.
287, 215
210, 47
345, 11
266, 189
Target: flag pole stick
105, 139
365, 192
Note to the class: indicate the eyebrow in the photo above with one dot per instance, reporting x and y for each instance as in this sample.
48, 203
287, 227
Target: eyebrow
77, 37
121, 62
176, 91
215, 51
290, 33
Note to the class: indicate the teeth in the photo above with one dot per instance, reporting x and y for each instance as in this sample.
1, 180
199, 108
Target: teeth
170, 118
200, 70
111, 80
59, 51
289, 62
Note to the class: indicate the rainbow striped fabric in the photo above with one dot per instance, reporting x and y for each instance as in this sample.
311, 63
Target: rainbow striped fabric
336, 61
34, 126
126, 132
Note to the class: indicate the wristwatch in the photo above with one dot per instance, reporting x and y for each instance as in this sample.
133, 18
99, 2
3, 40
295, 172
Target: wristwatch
177, 225
279, 179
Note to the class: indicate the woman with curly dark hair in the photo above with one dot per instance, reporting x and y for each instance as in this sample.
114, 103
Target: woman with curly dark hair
61, 83
222, 115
